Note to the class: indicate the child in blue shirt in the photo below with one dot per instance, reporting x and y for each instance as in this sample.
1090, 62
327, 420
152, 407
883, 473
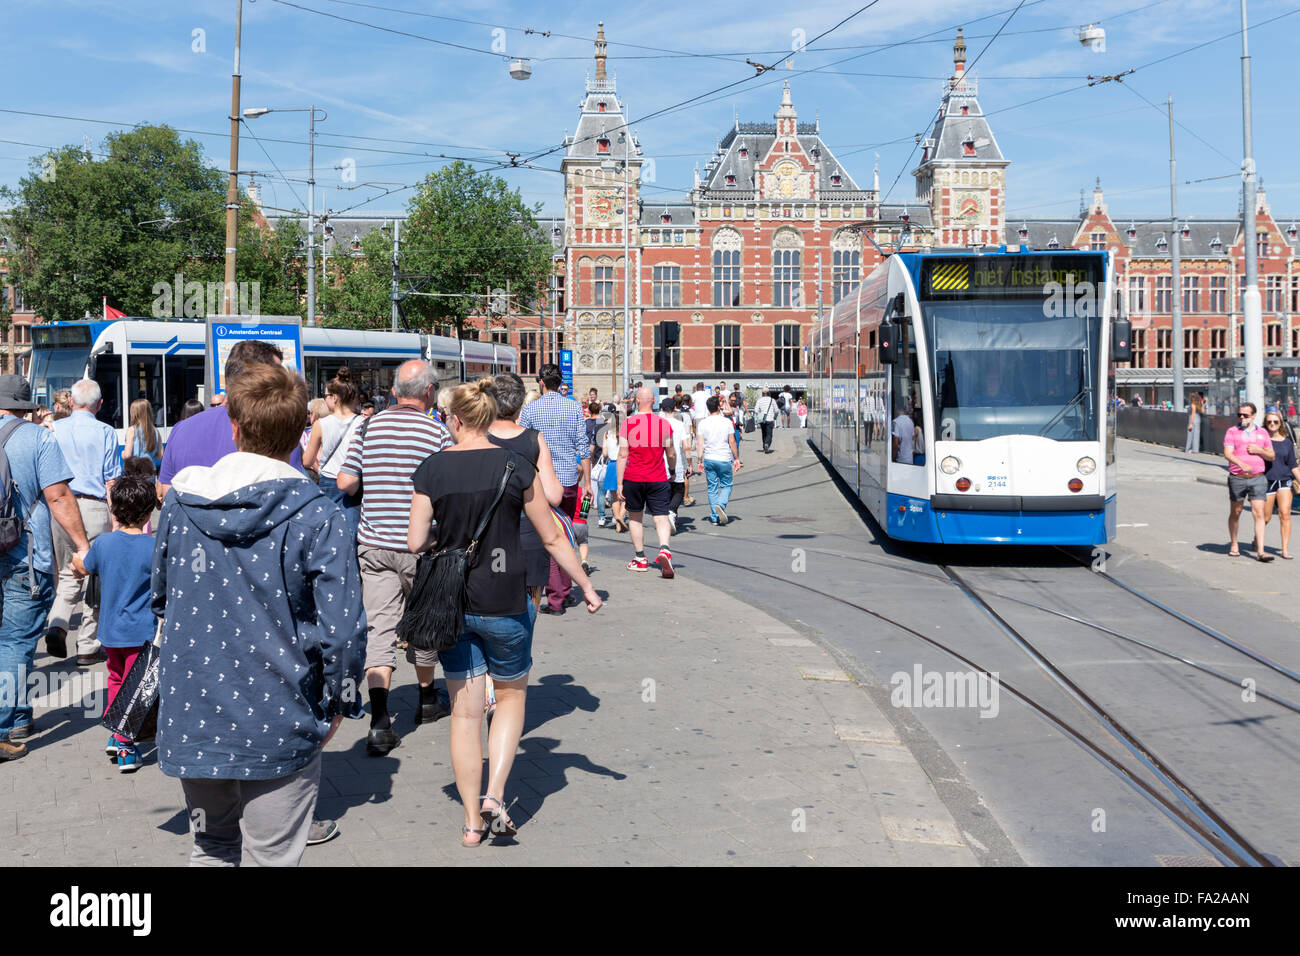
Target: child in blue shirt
123, 559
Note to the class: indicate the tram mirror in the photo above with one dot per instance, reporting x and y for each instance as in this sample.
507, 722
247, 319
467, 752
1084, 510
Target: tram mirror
900, 304
1121, 346
889, 350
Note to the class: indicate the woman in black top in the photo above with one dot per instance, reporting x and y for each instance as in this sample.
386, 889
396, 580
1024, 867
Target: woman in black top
1279, 475
456, 487
508, 390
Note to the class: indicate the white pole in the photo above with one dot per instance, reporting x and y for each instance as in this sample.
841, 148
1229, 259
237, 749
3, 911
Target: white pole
311, 216
1252, 317
1176, 306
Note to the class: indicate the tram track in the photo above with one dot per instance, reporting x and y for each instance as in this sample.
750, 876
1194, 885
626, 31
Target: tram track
1187, 811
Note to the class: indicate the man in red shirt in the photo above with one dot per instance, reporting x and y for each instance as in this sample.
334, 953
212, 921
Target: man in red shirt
646, 458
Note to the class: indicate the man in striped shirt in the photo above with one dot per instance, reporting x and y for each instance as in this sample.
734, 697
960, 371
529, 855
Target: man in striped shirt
381, 461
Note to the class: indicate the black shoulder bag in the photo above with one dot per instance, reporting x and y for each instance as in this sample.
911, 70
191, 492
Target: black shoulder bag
435, 612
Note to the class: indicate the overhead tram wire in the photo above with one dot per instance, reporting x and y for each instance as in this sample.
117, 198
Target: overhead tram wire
1187, 129
684, 103
930, 123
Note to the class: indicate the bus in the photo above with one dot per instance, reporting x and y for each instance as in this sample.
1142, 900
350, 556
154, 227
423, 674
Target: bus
163, 361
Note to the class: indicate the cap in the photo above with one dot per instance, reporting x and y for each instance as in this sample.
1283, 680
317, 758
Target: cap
15, 394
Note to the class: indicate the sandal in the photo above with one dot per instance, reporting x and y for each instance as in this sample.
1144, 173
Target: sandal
482, 833
1234, 554
496, 818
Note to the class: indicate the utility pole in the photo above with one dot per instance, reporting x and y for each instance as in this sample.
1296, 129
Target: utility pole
1251, 313
397, 226
311, 215
1176, 267
232, 191
627, 258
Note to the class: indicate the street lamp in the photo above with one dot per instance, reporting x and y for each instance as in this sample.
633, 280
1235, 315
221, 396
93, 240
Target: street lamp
253, 112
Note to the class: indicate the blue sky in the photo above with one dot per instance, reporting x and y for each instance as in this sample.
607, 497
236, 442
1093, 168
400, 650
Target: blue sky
142, 61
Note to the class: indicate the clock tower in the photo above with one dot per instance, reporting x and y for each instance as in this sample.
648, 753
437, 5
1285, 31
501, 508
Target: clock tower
602, 173
962, 174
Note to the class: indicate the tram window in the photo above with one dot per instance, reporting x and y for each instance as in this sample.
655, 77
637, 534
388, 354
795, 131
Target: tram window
184, 377
144, 380
907, 416
107, 371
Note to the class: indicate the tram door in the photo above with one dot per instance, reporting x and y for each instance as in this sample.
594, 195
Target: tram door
906, 434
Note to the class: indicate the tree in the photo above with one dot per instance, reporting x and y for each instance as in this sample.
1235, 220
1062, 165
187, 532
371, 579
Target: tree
468, 232
357, 292
83, 227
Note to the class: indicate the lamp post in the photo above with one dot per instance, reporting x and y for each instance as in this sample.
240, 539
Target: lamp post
627, 261
1175, 269
253, 113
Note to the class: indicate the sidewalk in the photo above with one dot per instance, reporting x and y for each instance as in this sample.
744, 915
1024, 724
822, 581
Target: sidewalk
1173, 508
677, 726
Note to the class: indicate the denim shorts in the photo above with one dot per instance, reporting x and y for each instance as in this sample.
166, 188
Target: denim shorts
499, 646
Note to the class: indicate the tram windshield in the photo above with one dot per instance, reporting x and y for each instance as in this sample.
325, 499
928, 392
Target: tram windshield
56, 368
1008, 361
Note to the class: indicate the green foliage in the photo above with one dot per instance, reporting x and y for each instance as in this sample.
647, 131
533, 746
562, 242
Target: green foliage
468, 232
358, 293
82, 227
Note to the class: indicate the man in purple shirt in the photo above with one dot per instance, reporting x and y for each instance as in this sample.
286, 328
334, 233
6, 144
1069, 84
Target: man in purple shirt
205, 438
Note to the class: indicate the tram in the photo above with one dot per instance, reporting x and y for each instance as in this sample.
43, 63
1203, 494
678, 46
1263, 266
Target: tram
968, 398
163, 361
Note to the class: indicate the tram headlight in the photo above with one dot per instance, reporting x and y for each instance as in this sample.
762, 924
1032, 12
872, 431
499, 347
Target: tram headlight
950, 465
1086, 465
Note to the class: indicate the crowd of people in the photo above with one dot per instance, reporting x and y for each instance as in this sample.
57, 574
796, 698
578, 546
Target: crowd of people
267, 557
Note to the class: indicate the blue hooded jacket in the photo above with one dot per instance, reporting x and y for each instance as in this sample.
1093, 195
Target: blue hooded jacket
264, 635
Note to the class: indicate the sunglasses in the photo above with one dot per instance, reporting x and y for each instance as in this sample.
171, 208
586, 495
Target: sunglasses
1245, 415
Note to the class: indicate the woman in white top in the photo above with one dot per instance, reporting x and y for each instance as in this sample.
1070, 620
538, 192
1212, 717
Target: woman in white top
330, 438
719, 459
608, 490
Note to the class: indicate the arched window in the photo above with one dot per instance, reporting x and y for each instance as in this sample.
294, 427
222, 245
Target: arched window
846, 262
787, 251
727, 247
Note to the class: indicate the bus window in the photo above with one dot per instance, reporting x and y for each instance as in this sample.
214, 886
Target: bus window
107, 371
184, 377
144, 380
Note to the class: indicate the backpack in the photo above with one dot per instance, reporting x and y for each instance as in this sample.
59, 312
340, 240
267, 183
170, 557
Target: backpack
12, 526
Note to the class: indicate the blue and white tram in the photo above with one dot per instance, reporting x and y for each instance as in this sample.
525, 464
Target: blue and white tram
163, 361
967, 398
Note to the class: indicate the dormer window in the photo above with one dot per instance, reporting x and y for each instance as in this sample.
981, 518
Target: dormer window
1216, 244
744, 153
835, 180
329, 232
905, 218
600, 107
1023, 231
1053, 243
1290, 233
731, 179
965, 111
816, 154
602, 146
1186, 231
968, 147
1132, 231
356, 243
1162, 243
666, 219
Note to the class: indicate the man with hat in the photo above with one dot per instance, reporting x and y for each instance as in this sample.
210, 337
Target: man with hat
40, 477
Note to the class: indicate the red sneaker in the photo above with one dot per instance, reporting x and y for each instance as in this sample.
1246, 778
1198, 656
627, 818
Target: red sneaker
635, 565
665, 562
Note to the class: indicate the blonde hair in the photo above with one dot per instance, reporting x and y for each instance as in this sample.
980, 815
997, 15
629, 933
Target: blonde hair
532, 396
317, 408
475, 404
142, 422
443, 403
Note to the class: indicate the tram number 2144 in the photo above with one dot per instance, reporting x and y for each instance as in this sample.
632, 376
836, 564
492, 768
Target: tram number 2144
996, 481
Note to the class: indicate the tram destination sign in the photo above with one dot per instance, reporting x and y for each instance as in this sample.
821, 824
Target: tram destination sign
1013, 276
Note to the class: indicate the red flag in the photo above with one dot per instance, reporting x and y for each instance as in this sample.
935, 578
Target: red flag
111, 313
